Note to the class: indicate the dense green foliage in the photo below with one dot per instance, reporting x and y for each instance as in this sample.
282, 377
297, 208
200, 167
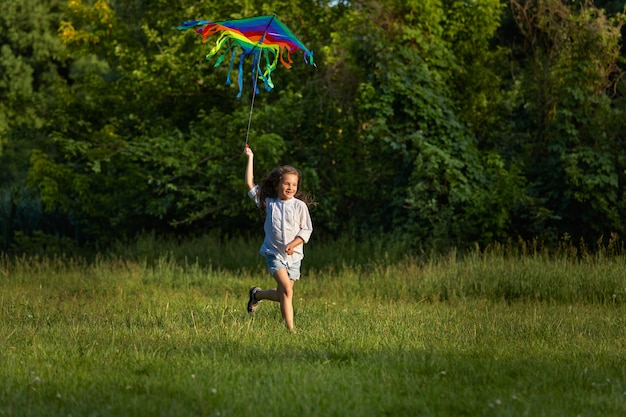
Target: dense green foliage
163, 331
449, 121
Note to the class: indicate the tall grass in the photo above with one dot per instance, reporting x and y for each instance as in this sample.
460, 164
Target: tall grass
521, 271
161, 329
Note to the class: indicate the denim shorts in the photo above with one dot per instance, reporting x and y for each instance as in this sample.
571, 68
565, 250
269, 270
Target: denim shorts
274, 264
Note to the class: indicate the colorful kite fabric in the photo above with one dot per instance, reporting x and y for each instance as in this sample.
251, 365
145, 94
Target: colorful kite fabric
257, 36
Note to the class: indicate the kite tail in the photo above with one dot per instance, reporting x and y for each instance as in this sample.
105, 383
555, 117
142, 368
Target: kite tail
218, 45
208, 31
267, 74
309, 55
230, 67
240, 76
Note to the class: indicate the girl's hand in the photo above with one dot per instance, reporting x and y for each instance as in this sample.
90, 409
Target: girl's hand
248, 151
291, 246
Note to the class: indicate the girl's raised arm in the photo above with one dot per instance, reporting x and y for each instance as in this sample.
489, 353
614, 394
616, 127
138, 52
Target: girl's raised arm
249, 167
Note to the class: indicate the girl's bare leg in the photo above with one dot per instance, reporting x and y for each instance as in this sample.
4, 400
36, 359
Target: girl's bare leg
282, 294
285, 295
269, 294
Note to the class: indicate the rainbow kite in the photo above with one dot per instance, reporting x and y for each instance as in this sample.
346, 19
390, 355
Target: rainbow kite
261, 36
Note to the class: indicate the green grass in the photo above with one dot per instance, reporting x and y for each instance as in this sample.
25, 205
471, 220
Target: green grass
496, 332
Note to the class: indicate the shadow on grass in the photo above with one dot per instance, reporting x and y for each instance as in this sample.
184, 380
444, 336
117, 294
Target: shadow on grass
295, 375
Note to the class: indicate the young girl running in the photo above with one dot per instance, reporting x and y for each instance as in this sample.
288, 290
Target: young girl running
287, 228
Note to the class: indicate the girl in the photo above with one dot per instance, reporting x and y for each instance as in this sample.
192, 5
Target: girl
287, 228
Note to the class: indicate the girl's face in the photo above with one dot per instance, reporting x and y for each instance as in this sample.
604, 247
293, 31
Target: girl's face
287, 186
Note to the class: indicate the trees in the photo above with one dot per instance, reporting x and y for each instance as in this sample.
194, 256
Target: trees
412, 134
147, 135
450, 121
32, 65
573, 151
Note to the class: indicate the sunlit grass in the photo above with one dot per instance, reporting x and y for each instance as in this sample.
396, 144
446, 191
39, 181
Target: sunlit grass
491, 332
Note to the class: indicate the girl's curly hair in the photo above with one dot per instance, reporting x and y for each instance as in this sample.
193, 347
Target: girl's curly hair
268, 187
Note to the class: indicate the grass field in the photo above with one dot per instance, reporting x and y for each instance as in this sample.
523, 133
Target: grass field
151, 332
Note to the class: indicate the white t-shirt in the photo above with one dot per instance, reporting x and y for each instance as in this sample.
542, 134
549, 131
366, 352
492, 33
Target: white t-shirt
284, 221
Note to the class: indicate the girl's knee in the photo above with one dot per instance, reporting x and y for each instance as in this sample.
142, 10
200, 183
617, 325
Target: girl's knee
286, 291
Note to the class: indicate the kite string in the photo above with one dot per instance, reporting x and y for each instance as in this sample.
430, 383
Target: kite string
255, 63
251, 108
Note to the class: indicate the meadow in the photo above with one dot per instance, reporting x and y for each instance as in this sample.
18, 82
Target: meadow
159, 328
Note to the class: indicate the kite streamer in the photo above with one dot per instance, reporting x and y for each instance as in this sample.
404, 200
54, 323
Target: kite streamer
265, 38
